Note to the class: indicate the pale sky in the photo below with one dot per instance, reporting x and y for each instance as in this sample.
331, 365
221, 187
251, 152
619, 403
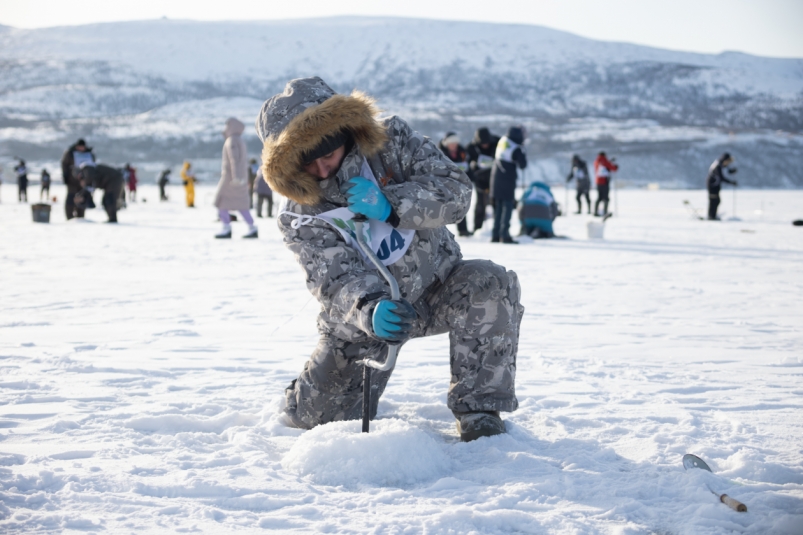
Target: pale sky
761, 27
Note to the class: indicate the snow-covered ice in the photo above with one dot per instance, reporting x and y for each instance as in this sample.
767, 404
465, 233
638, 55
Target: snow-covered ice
142, 367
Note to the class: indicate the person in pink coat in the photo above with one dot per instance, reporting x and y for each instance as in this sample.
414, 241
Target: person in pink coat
232, 190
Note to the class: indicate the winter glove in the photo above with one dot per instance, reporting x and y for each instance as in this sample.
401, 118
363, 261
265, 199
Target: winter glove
365, 197
732, 170
393, 320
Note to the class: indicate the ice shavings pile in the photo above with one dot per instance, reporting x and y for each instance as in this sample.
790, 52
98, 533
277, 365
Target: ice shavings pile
393, 454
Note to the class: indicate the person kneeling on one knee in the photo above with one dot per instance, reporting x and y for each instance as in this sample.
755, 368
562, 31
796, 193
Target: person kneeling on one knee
331, 158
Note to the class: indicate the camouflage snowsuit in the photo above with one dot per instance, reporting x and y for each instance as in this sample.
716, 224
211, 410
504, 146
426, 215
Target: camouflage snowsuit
475, 301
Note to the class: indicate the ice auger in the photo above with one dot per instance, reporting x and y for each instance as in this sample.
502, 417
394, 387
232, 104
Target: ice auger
393, 348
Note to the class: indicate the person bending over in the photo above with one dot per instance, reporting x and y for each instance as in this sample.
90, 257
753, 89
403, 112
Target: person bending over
109, 179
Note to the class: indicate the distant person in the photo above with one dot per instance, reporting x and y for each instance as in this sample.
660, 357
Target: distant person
71, 161
602, 172
164, 179
451, 147
44, 185
232, 190
580, 172
264, 194
510, 157
537, 211
109, 179
130, 177
714, 182
252, 175
22, 181
188, 179
480, 155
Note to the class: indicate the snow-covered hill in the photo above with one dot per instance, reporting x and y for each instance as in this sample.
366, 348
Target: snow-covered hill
161, 89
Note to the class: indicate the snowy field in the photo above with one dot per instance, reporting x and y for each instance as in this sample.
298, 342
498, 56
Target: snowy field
141, 367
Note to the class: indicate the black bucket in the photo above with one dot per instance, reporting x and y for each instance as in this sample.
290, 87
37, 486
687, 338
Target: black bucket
41, 213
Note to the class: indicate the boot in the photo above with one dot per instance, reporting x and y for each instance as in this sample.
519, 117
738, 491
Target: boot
253, 232
474, 425
509, 240
225, 233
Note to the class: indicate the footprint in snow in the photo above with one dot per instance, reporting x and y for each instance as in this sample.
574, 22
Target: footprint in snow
178, 332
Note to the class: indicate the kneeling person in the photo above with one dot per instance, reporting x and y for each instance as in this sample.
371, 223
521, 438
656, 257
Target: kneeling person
331, 158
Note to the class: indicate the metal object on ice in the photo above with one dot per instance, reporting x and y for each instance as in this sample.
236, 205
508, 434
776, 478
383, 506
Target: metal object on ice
393, 349
692, 461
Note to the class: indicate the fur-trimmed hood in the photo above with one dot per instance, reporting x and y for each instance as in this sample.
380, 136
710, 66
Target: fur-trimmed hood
295, 121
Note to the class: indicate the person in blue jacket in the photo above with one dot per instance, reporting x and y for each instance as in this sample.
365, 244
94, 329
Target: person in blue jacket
510, 157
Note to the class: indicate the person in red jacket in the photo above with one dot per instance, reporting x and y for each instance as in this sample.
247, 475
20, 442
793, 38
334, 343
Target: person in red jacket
130, 176
602, 171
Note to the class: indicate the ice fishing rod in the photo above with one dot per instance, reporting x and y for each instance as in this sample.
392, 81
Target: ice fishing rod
393, 348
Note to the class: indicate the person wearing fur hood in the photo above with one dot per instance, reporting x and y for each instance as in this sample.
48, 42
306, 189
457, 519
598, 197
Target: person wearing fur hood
331, 157
232, 190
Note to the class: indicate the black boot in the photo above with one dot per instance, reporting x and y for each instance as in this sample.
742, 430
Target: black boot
474, 425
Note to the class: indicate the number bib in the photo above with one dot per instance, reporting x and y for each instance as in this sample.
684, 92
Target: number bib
387, 242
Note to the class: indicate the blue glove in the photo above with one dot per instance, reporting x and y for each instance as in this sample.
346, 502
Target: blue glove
393, 320
365, 198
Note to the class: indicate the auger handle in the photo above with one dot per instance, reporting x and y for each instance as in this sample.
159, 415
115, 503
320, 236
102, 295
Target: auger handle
736, 505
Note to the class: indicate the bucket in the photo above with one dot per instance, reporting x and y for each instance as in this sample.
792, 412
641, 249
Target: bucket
41, 213
595, 230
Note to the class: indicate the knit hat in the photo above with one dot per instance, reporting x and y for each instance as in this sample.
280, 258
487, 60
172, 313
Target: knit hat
327, 145
482, 136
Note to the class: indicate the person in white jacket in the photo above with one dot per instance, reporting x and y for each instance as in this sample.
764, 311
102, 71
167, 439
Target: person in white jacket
232, 190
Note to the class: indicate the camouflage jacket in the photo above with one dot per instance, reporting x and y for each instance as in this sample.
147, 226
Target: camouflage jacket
426, 190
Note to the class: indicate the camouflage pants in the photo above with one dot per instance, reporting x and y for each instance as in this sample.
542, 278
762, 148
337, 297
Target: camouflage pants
478, 305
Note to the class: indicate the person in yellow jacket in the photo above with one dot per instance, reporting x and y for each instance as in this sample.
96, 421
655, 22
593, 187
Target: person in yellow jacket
189, 184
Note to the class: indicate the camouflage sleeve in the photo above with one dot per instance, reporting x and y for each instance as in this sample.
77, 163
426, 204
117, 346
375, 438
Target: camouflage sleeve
336, 273
435, 192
